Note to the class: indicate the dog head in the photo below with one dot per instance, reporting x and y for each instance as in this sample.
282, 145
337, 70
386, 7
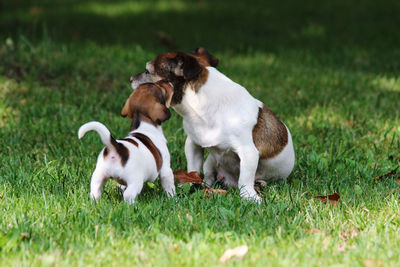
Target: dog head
178, 68
150, 103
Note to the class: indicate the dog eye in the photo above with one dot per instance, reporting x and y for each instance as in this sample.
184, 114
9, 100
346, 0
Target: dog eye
147, 72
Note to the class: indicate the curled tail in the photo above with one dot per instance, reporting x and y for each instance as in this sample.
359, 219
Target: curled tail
102, 130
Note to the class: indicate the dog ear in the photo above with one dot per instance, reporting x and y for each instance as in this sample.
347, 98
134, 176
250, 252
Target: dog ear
202, 52
127, 109
186, 66
167, 91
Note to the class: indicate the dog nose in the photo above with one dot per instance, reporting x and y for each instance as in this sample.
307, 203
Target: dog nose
131, 79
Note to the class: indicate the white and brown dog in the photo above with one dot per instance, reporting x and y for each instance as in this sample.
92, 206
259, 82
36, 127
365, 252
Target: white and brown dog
143, 155
246, 140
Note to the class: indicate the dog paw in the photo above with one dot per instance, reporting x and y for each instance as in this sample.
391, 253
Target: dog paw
250, 195
94, 196
171, 193
130, 201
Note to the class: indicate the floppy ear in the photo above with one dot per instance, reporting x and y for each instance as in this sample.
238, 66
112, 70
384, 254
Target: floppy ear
187, 66
201, 51
127, 110
167, 91
191, 68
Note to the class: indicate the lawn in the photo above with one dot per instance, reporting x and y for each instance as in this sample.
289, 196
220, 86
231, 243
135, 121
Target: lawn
329, 69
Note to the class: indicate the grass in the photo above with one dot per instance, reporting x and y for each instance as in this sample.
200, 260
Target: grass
331, 71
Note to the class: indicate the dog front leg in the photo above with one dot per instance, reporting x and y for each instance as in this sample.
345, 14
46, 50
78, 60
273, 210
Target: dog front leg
249, 157
194, 156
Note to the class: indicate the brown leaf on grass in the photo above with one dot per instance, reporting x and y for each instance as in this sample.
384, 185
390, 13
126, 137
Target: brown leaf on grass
212, 191
392, 172
238, 252
184, 177
398, 181
331, 199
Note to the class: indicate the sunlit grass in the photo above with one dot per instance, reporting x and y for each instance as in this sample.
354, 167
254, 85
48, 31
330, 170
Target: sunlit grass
389, 84
131, 7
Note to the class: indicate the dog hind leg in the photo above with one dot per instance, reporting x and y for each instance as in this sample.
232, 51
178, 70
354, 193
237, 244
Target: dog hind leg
210, 171
167, 181
132, 190
249, 157
97, 182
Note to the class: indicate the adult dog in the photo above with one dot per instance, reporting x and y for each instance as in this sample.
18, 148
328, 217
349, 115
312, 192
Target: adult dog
246, 140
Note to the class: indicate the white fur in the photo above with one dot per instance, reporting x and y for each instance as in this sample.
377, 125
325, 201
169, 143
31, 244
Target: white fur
221, 117
140, 166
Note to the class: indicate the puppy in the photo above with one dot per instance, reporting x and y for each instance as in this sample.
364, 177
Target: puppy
246, 140
143, 155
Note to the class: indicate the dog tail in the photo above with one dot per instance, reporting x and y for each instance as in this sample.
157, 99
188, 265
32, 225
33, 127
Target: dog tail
102, 130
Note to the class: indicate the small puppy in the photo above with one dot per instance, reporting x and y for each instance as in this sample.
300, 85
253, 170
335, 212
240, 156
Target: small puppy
246, 140
143, 155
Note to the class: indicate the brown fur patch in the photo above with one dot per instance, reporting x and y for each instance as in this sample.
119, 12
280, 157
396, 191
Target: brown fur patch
269, 134
150, 146
130, 141
105, 152
121, 150
196, 84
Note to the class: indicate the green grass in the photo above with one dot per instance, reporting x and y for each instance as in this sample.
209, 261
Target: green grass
331, 71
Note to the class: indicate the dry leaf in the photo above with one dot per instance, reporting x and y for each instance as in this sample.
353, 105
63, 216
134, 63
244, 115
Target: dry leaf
398, 181
238, 252
332, 199
184, 177
392, 172
212, 191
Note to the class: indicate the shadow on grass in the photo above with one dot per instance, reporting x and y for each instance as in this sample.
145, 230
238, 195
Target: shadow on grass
222, 26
